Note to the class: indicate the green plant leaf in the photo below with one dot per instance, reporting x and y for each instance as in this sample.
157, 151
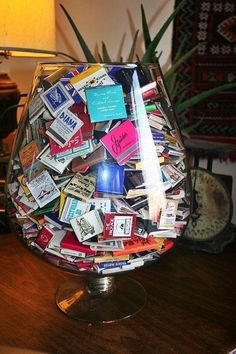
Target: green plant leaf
105, 55
180, 94
203, 95
159, 55
192, 127
146, 34
100, 58
170, 85
187, 129
149, 55
88, 55
180, 61
132, 50
180, 50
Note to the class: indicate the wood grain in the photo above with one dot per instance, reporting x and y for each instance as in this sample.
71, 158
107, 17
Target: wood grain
191, 307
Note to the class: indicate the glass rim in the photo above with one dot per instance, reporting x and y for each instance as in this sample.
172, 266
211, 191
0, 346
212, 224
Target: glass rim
72, 63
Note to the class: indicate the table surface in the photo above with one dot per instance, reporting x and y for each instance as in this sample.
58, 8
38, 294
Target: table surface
190, 308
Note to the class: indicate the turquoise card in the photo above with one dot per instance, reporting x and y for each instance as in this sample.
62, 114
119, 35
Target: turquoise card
105, 103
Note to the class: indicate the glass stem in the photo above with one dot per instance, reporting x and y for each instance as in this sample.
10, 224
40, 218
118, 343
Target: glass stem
100, 285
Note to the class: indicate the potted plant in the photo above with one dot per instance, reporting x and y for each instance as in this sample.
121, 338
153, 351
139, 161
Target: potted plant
182, 102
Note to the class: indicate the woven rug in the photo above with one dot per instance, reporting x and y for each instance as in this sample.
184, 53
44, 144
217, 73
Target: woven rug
213, 24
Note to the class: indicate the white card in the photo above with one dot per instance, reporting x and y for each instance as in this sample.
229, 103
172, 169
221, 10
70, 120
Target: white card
87, 225
64, 127
43, 189
47, 159
73, 208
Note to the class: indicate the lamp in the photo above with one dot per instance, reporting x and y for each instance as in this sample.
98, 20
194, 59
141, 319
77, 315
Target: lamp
27, 30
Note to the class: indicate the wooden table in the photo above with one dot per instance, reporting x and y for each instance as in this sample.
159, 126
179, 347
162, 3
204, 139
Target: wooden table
191, 307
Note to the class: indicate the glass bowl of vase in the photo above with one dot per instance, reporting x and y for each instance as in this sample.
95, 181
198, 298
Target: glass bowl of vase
97, 181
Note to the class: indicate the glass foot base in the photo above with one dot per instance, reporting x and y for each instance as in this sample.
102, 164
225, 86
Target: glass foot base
100, 300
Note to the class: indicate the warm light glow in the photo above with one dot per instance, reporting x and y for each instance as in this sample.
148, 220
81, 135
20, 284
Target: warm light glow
27, 24
16, 53
70, 300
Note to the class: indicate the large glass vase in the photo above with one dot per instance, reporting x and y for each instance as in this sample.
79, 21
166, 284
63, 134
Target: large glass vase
97, 182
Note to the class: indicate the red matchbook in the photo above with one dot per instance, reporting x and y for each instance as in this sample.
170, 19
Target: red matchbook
136, 245
119, 225
71, 242
44, 237
87, 128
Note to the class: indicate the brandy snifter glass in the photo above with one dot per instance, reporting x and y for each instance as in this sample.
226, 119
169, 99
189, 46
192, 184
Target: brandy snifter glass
97, 181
